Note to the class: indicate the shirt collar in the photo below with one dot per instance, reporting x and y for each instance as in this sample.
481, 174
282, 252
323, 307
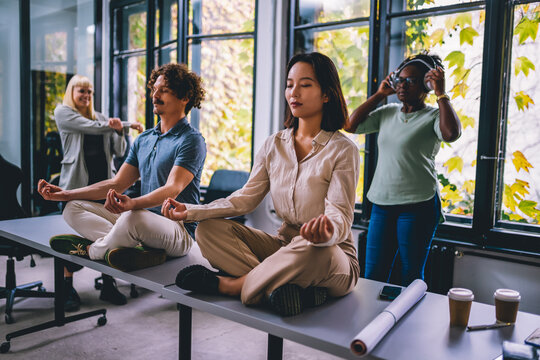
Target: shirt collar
321, 138
175, 130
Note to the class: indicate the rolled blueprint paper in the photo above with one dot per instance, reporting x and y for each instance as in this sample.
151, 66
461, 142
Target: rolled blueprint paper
369, 337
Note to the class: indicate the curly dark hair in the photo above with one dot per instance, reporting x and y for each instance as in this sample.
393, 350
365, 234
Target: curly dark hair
335, 110
183, 83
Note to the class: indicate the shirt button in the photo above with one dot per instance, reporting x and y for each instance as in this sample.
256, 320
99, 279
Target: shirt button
155, 147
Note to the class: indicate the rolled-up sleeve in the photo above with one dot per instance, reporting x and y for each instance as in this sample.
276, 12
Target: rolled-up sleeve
341, 195
240, 202
118, 141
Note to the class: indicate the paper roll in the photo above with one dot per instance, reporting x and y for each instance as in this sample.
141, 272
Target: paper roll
369, 337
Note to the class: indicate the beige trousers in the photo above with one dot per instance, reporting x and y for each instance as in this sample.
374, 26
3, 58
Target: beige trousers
110, 231
271, 262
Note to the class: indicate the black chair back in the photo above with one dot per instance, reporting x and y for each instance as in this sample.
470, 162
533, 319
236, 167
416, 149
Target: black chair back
53, 154
10, 178
223, 183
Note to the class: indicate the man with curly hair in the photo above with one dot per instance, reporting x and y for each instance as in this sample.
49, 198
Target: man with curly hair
130, 233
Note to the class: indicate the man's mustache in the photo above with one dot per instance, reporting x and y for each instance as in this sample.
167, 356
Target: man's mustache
158, 102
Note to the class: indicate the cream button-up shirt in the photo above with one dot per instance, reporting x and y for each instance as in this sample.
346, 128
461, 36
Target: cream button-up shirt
324, 182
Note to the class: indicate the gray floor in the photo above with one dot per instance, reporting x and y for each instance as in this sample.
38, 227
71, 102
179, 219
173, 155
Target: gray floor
145, 328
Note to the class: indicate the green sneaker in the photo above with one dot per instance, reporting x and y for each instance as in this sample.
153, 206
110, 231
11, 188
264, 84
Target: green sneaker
70, 244
130, 259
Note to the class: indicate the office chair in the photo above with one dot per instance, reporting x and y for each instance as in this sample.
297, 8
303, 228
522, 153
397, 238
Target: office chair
49, 166
10, 209
223, 183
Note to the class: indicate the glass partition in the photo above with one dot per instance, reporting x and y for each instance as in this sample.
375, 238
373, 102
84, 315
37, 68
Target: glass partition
10, 126
61, 45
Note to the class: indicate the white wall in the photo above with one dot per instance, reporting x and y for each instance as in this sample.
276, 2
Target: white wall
485, 275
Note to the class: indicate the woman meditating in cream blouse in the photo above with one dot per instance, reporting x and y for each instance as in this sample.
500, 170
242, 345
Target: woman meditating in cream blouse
310, 170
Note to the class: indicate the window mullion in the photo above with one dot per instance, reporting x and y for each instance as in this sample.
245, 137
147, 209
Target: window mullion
505, 91
98, 58
150, 40
376, 67
490, 114
183, 24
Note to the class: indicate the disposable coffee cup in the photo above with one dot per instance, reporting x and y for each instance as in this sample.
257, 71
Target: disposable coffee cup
460, 301
506, 305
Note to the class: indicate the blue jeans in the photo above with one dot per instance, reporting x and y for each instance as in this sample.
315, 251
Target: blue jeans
404, 230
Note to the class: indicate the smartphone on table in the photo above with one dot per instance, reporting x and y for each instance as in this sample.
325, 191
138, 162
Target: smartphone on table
389, 292
534, 338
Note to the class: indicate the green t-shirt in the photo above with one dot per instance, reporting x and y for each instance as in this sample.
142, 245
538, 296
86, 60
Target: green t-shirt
407, 144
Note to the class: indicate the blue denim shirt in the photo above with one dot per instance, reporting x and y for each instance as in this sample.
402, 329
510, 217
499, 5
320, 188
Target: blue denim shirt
154, 154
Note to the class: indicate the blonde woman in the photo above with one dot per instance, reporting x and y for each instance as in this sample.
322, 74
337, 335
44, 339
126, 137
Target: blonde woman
89, 140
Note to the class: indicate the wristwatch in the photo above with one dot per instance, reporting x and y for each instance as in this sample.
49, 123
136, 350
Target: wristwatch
443, 96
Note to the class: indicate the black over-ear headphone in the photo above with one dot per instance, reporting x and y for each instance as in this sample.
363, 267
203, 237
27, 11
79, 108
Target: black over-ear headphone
432, 65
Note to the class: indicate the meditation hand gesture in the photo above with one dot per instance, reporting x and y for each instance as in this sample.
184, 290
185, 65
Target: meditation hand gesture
116, 124
51, 192
118, 203
317, 230
174, 210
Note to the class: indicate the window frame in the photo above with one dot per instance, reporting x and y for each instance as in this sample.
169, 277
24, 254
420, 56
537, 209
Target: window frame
501, 154
484, 230
153, 51
117, 55
373, 21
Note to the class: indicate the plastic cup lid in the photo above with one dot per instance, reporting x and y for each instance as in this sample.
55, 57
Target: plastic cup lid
460, 294
507, 295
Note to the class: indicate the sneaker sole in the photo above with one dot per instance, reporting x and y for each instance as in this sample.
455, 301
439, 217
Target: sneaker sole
315, 296
186, 271
286, 300
130, 259
64, 243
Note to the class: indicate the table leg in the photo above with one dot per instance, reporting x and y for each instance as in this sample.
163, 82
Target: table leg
59, 290
275, 347
184, 340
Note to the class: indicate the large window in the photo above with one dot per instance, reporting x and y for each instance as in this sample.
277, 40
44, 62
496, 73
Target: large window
457, 36
222, 52
489, 185
339, 29
519, 175
201, 34
129, 50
